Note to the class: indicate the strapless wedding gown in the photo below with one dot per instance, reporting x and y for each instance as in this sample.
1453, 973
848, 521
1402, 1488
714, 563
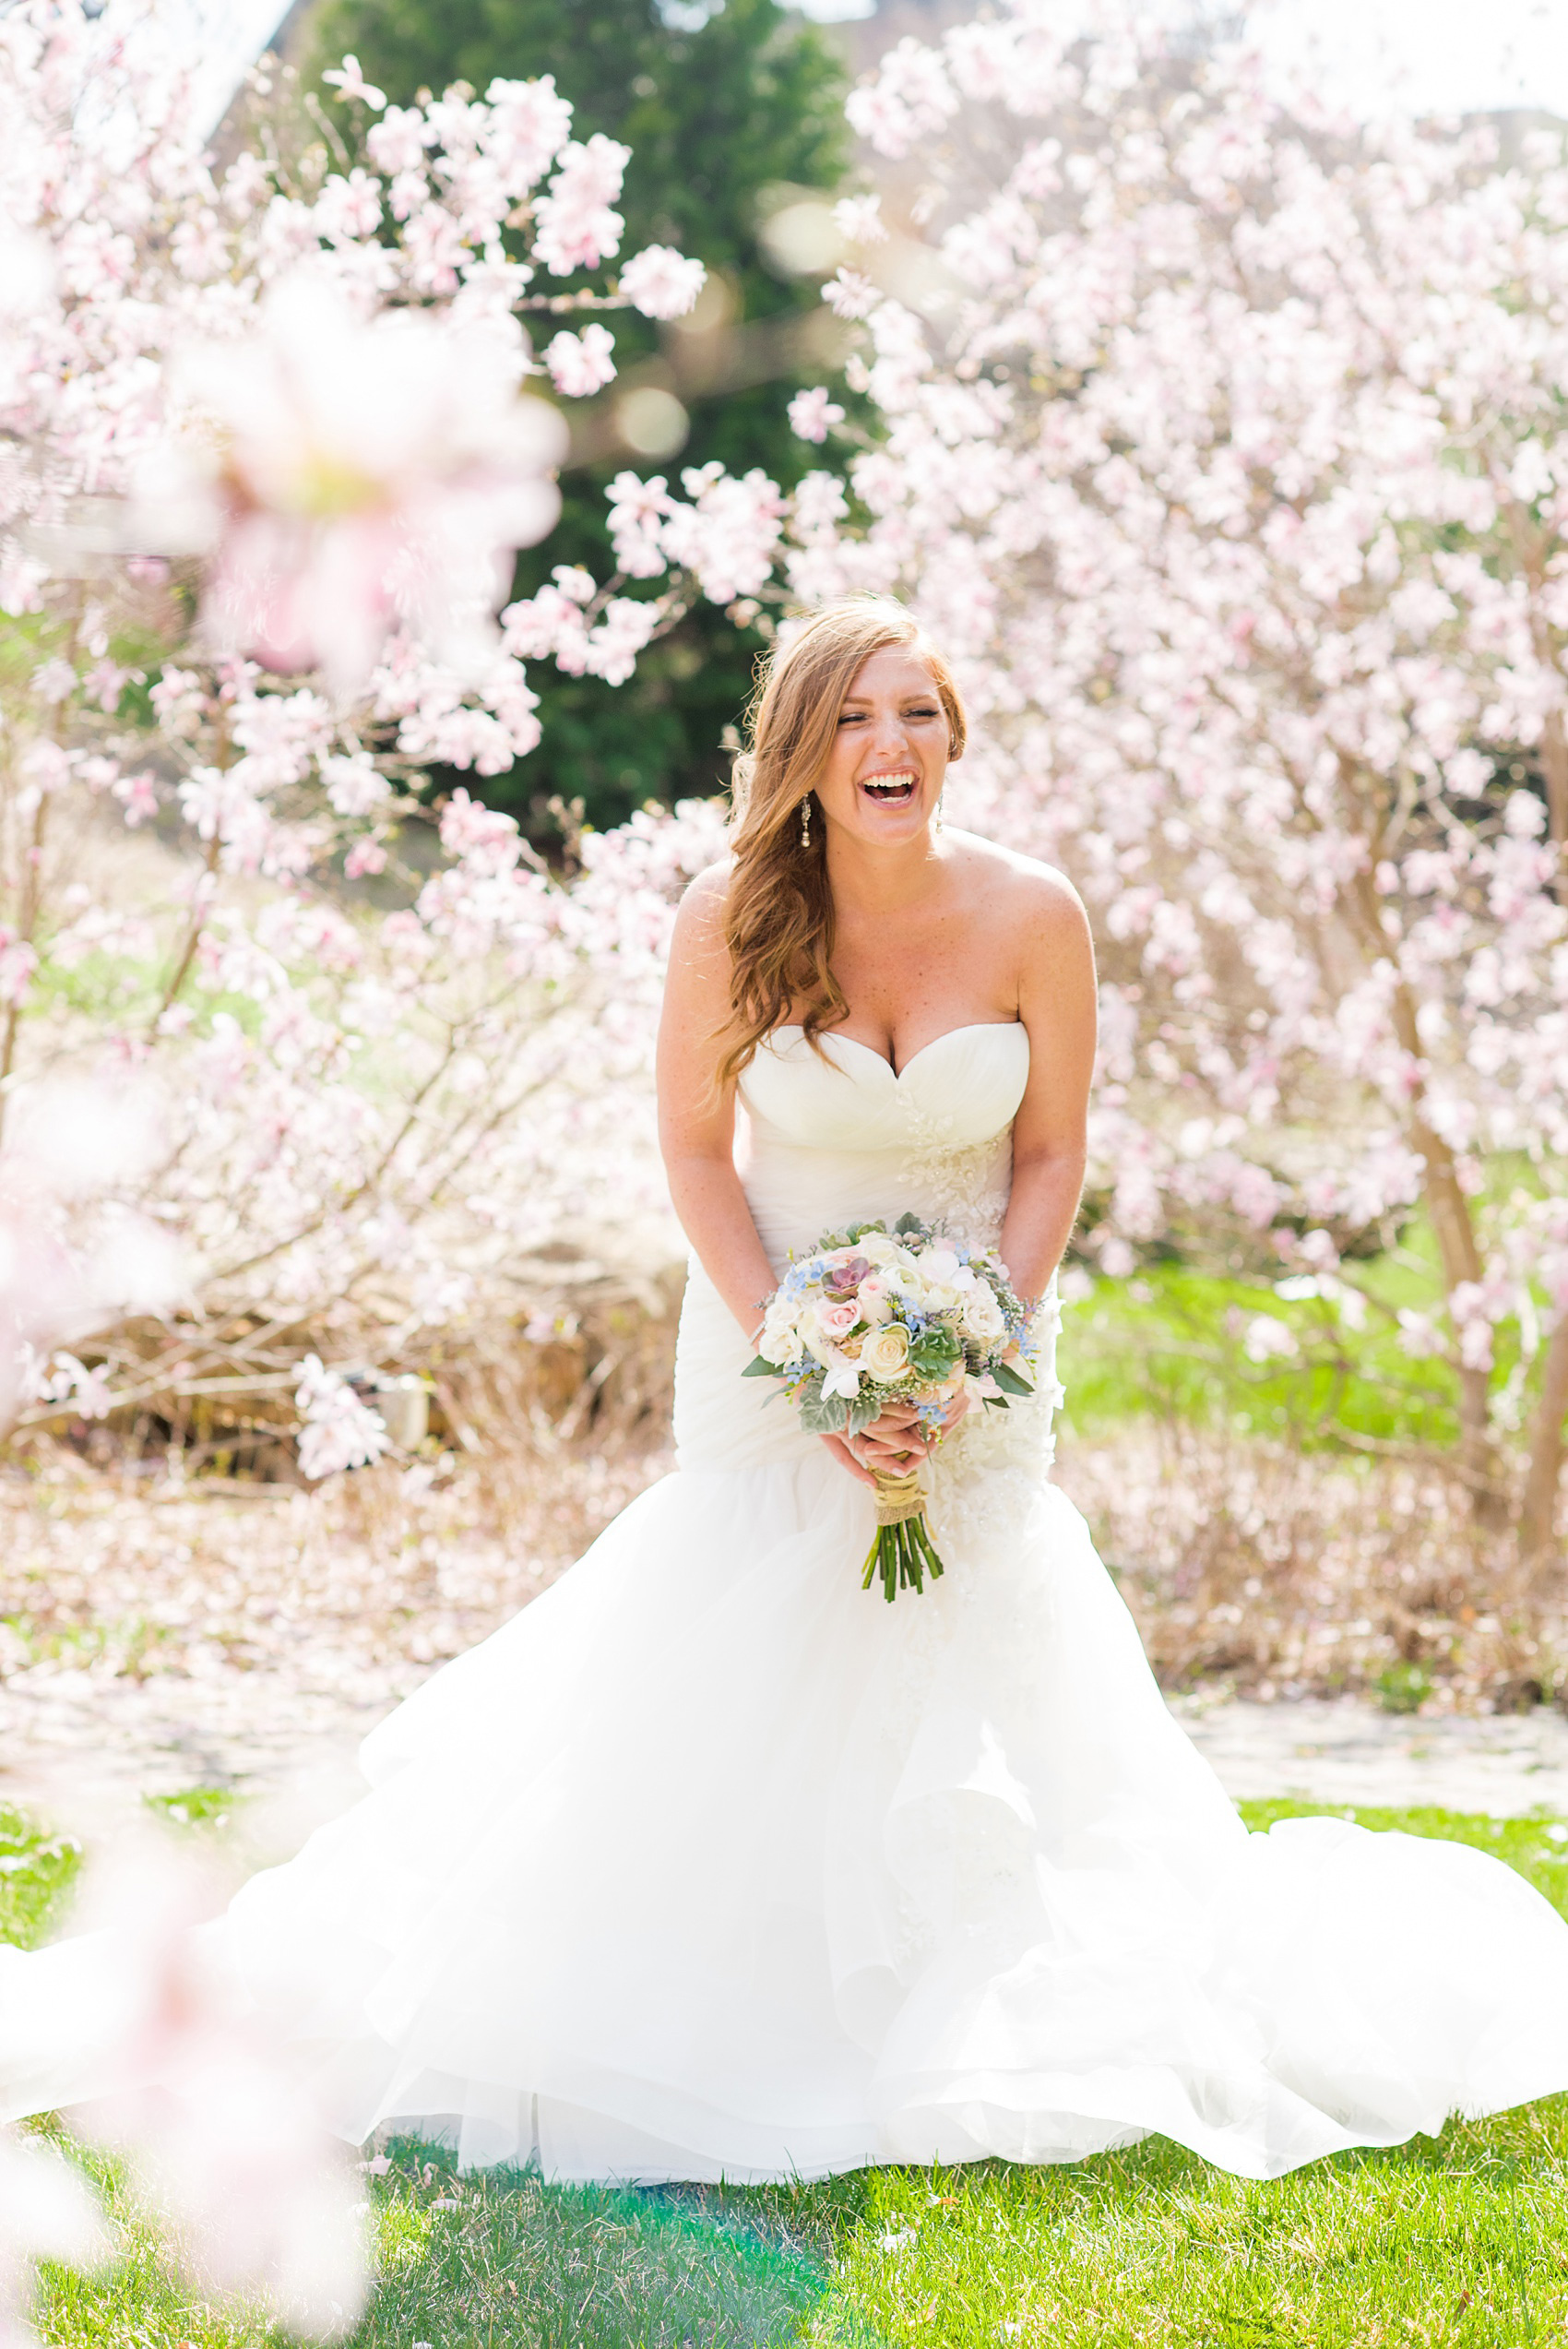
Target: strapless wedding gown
711, 1863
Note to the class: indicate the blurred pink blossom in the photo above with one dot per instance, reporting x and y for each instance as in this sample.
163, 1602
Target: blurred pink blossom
46, 2213
365, 474
338, 1431
660, 282
349, 83
576, 226
581, 364
811, 413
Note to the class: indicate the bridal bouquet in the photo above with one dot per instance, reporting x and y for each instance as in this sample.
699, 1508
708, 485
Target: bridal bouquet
876, 1316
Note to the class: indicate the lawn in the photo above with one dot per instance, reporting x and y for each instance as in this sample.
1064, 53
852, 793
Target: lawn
1460, 2240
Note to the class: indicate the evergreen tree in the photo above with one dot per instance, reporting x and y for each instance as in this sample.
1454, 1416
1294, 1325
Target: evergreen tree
715, 115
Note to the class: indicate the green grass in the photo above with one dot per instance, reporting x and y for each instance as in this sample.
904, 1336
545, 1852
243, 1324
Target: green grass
1457, 2242
1169, 1343
36, 1872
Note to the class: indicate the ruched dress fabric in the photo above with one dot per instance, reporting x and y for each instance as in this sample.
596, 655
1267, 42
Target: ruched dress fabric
712, 1864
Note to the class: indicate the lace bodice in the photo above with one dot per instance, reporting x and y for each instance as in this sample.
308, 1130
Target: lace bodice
829, 1136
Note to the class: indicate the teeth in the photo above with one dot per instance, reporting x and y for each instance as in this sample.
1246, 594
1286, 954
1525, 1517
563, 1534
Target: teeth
887, 784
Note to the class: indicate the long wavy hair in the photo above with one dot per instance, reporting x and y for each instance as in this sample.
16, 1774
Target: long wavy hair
778, 911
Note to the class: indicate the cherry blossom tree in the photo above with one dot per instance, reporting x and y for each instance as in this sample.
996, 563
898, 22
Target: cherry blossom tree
266, 447
1225, 444
267, 441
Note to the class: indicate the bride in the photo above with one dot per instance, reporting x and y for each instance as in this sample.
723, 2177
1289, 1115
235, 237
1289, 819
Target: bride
712, 1864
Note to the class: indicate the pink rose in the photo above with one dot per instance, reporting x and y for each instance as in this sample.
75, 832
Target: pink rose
837, 1320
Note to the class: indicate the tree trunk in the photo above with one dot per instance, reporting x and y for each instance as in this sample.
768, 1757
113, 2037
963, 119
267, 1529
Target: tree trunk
1461, 1261
1554, 768
1538, 1515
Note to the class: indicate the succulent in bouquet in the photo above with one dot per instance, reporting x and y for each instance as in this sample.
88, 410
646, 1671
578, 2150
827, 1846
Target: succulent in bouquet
879, 1315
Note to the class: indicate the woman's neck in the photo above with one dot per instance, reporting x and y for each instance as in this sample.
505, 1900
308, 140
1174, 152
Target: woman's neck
870, 880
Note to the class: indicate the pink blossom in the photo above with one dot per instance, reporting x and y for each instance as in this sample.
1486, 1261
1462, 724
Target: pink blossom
637, 510
18, 964
351, 85
529, 126
366, 472
811, 413
349, 209
484, 836
728, 534
612, 648
858, 220
660, 282
337, 1431
207, 2113
46, 2213
850, 295
137, 796
581, 364
354, 785
575, 224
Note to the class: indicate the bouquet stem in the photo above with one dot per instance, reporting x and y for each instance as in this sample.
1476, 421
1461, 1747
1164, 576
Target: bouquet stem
901, 1550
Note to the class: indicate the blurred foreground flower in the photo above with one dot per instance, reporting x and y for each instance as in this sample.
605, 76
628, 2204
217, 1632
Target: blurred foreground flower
339, 1431
216, 2131
46, 2213
72, 1251
361, 474
217, 2134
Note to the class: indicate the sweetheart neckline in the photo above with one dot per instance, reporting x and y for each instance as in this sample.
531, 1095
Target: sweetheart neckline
831, 1035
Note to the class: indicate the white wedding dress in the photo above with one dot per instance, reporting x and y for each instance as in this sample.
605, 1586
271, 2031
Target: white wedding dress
711, 1863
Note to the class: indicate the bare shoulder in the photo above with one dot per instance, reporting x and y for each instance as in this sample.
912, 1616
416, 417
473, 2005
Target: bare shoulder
1033, 902
699, 918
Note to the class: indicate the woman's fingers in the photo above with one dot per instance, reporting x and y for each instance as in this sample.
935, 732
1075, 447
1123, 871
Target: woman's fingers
845, 1458
896, 1441
893, 1415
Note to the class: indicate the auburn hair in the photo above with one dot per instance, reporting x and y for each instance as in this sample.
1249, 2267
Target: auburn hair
779, 911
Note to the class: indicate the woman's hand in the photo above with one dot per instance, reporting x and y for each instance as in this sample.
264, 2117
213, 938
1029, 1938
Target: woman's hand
896, 1443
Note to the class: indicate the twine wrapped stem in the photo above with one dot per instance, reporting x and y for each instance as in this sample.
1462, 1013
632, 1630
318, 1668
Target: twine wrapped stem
901, 1549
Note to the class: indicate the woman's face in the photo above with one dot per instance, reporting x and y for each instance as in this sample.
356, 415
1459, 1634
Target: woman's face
883, 773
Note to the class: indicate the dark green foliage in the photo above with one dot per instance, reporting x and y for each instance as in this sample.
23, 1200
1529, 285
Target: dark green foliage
751, 99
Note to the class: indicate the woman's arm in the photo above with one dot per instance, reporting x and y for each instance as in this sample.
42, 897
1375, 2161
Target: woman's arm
1056, 1003
696, 1136
696, 1125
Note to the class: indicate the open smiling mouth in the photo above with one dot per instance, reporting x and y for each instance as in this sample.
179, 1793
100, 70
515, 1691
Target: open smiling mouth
890, 790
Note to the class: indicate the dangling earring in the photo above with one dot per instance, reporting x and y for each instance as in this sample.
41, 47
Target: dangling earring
936, 819
806, 821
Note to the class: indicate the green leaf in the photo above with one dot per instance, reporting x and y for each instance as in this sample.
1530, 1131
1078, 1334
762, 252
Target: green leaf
866, 1407
824, 1414
1010, 1382
908, 1224
760, 1369
934, 1355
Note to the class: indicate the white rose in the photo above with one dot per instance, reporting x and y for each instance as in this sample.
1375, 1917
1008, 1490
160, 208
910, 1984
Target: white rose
982, 1315
885, 1353
779, 1342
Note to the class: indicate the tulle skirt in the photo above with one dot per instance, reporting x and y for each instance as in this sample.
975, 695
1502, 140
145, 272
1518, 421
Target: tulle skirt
712, 1864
